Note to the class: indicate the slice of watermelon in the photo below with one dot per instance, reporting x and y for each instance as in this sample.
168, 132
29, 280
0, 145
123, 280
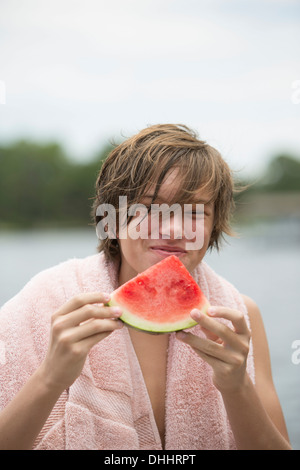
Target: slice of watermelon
160, 299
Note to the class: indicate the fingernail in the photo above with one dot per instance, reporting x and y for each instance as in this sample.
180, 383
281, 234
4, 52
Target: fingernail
116, 311
106, 297
211, 310
196, 314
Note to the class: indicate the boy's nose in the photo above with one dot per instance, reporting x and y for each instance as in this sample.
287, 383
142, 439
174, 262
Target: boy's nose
171, 226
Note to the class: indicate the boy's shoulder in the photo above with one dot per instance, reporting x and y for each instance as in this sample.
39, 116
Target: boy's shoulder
69, 267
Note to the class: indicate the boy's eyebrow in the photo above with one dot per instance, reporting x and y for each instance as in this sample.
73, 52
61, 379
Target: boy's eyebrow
201, 201
206, 201
151, 196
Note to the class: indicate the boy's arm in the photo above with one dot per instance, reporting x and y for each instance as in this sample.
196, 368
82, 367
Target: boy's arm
254, 411
263, 374
24, 417
76, 327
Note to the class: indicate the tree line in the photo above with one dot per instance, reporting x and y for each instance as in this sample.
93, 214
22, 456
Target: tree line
41, 186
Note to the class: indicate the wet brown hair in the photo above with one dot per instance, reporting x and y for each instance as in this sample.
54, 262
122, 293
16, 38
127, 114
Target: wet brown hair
147, 157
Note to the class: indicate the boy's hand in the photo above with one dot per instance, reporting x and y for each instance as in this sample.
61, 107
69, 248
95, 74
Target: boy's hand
76, 327
224, 348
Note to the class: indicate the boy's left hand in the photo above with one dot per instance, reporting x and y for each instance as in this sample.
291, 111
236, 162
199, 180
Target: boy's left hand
225, 349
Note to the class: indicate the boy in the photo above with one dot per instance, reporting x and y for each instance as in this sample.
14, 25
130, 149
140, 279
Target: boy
101, 385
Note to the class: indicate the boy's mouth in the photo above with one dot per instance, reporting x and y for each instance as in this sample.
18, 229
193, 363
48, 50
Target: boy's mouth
167, 250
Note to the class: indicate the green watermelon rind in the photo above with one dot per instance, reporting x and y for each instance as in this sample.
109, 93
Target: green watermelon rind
139, 323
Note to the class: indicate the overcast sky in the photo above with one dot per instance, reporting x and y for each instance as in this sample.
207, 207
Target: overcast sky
84, 71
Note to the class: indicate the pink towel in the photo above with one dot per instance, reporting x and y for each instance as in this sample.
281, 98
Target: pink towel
108, 406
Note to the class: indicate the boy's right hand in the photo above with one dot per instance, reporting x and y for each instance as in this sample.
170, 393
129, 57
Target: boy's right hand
75, 328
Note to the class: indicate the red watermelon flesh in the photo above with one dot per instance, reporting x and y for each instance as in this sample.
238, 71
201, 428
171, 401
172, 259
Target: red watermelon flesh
160, 299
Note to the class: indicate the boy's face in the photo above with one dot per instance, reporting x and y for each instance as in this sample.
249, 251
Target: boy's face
139, 253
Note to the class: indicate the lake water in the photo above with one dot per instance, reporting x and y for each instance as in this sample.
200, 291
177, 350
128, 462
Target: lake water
264, 263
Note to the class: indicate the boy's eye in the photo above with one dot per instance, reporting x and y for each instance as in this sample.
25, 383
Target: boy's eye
194, 214
149, 208
197, 212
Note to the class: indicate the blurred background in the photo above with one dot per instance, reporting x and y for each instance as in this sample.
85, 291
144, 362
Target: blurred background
78, 76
